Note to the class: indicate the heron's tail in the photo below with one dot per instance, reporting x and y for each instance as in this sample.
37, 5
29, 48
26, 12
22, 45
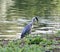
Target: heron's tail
22, 35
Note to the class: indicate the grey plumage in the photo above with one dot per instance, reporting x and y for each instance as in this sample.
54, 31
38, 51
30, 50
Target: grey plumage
27, 28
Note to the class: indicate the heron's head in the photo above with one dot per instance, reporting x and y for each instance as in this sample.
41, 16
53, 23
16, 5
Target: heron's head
35, 19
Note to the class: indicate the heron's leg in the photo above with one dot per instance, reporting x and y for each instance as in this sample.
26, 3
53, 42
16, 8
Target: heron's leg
30, 31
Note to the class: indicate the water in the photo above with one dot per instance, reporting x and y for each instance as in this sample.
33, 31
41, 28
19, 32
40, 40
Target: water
14, 15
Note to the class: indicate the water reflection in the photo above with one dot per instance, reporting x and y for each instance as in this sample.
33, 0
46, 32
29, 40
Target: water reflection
16, 14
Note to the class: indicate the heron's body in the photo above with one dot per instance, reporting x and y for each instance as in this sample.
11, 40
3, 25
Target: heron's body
27, 28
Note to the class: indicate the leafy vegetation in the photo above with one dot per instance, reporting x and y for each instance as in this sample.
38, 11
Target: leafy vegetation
28, 44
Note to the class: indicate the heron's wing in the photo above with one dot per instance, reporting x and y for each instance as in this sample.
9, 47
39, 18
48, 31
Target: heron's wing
26, 30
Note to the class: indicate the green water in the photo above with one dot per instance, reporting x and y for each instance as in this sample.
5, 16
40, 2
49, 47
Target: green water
15, 14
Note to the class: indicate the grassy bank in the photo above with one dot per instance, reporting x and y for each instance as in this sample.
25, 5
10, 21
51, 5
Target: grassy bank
28, 44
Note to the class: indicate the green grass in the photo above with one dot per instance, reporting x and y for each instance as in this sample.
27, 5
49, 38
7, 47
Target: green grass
28, 44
